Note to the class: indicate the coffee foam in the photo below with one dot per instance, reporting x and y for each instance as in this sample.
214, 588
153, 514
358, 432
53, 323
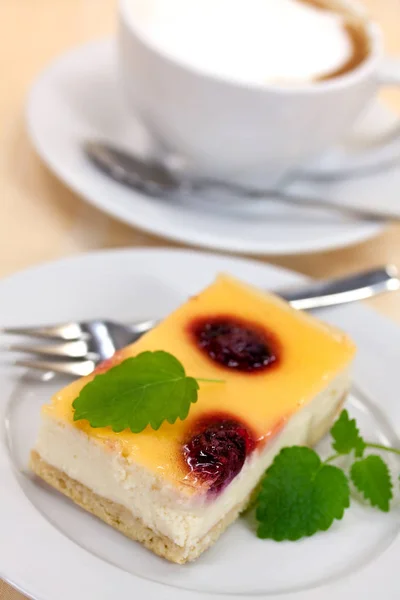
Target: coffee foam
250, 41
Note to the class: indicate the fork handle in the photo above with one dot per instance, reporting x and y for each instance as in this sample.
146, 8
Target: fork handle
316, 295
344, 290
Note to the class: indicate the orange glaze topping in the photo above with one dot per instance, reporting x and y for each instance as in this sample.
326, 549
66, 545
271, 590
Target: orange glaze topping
297, 357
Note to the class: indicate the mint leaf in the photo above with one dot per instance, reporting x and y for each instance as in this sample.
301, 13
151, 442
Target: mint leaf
347, 436
372, 478
300, 496
143, 390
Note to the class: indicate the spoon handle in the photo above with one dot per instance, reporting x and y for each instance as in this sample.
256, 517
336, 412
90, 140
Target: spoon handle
155, 179
295, 199
353, 212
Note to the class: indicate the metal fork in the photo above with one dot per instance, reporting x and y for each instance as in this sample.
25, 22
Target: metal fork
76, 348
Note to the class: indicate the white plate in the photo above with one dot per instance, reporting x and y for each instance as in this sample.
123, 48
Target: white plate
51, 549
79, 97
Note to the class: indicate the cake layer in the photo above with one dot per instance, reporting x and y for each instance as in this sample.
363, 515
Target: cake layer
184, 519
120, 518
272, 359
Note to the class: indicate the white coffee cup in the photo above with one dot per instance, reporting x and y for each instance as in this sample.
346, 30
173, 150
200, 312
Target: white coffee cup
233, 130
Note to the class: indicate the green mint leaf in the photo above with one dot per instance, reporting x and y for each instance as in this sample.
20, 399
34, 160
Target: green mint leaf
143, 390
372, 478
346, 436
300, 496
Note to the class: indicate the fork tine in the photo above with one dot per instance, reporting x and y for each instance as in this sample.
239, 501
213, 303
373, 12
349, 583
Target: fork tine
64, 331
72, 368
75, 349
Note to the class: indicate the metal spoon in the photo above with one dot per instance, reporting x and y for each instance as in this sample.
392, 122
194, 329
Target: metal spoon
157, 179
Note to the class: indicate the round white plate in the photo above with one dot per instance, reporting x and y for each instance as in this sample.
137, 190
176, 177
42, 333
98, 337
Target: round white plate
79, 97
52, 549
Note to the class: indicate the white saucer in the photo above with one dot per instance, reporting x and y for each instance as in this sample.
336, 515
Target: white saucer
50, 549
78, 97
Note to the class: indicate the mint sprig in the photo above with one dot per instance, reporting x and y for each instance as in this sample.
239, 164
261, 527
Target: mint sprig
346, 436
301, 494
371, 477
143, 390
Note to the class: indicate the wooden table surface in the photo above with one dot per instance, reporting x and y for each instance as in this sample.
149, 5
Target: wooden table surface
40, 219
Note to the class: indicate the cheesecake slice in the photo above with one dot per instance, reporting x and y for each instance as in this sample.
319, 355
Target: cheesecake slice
176, 489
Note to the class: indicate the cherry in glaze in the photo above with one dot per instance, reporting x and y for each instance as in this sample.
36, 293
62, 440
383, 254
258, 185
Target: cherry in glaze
234, 343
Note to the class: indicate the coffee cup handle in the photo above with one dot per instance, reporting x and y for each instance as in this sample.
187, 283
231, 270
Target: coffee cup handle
383, 153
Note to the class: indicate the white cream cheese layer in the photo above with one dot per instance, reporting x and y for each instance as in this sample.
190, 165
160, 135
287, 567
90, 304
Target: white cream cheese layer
185, 519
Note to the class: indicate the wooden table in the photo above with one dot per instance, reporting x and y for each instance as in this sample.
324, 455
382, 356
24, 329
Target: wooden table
40, 219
